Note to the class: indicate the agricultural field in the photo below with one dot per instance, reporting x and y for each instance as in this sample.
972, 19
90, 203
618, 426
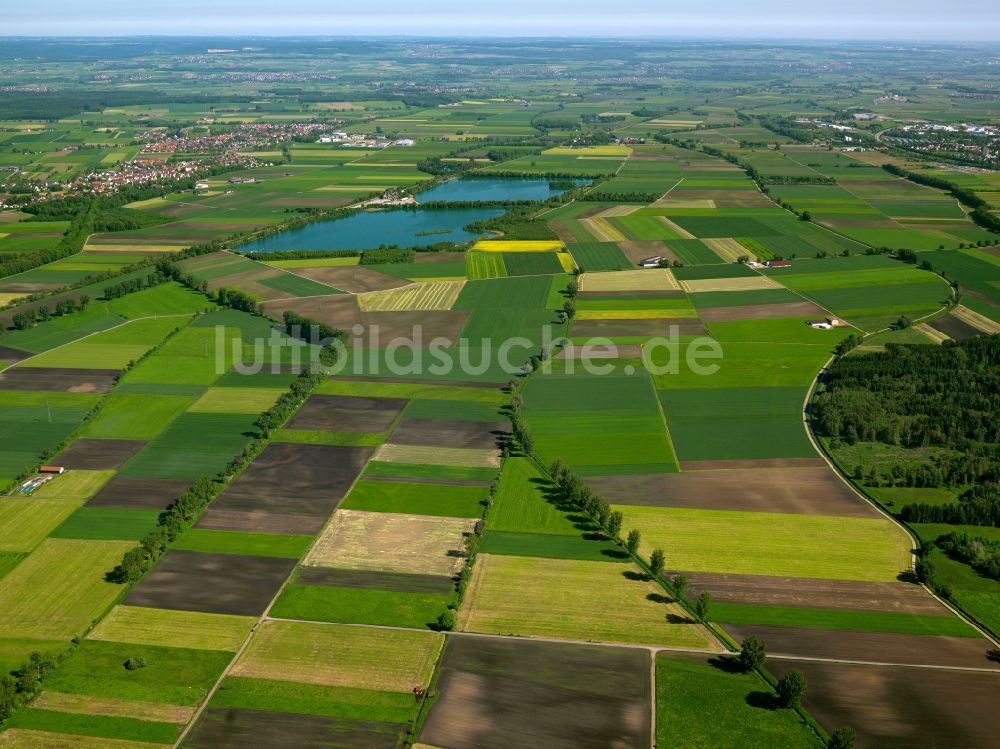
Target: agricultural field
566, 464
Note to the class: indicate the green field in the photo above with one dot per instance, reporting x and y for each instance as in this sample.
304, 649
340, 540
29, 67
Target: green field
314, 699
771, 543
173, 675
596, 424
59, 589
419, 499
235, 542
534, 596
140, 625
327, 603
700, 704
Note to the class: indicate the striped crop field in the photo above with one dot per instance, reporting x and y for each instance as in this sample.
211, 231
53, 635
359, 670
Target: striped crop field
435, 295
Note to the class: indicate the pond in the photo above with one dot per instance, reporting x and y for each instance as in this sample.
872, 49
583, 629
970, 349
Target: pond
369, 229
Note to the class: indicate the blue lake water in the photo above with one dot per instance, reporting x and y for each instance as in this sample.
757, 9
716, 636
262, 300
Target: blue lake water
369, 229
501, 188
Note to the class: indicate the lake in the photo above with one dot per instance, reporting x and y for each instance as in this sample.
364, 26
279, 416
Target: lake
499, 188
369, 229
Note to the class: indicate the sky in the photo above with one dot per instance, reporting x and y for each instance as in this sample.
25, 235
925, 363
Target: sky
931, 20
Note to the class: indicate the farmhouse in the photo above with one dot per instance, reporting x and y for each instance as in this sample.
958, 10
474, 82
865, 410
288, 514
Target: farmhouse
52, 469
828, 323
651, 262
778, 264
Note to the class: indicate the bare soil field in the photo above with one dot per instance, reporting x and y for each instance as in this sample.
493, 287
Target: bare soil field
719, 465
99, 455
973, 318
139, 493
11, 355
637, 250
804, 491
621, 351
440, 257
213, 583
338, 310
58, 380
901, 708
639, 327
400, 582
760, 311
345, 413
292, 486
877, 647
236, 728
451, 433
392, 542
352, 278
432, 324
497, 694
764, 590
955, 328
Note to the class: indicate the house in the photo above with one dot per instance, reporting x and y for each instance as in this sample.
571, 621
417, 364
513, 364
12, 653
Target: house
52, 469
778, 264
651, 262
201, 186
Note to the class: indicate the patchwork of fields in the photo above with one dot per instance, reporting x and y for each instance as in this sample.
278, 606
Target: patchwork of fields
401, 533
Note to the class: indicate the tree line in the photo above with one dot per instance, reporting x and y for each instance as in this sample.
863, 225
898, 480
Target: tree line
981, 212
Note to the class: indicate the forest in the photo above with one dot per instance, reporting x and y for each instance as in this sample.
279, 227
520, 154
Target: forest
918, 396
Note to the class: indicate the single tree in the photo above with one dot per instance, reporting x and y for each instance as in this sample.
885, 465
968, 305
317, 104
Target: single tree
791, 688
657, 560
703, 604
632, 544
752, 653
842, 738
447, 621
680, 583
615, 523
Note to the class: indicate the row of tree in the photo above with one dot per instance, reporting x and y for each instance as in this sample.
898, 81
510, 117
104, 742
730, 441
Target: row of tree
978, 505
30, 317
185, 510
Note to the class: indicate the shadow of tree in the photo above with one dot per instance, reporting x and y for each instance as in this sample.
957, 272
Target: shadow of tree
726, 663
763, 701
